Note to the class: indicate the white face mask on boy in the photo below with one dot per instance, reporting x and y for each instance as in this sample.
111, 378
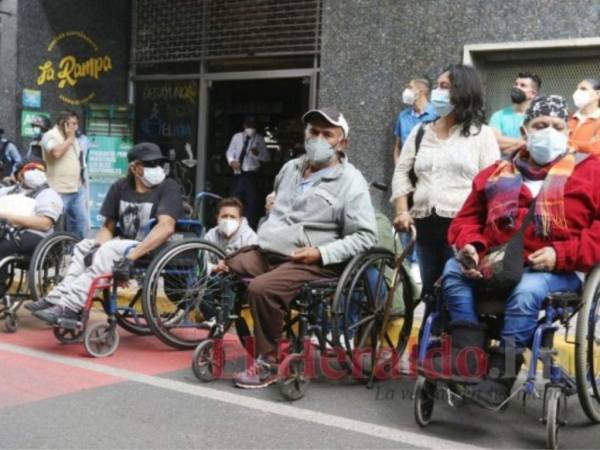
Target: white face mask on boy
228, 226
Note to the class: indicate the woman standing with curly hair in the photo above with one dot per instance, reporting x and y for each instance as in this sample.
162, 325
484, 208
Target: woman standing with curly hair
451, 151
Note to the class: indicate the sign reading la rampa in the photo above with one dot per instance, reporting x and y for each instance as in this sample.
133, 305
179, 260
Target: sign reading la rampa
70, 69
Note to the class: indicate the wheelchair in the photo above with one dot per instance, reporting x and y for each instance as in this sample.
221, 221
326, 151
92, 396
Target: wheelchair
351, 308
101, 339
32, 276
559, 309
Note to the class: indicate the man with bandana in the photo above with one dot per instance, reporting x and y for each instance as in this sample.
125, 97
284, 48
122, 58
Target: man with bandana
321, 217
507, 121
31, 207
561, 242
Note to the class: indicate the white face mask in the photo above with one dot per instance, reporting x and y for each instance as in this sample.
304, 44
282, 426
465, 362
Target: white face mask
36, 131
409, 96
250, 131
546, 145
440, 99
228, 226
582, 98
153, 176
34, 178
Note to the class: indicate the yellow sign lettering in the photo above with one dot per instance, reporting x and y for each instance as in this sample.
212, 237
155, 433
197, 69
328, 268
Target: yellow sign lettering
46, 73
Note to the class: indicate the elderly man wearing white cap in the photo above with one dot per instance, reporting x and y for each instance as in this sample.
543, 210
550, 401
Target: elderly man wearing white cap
322, 216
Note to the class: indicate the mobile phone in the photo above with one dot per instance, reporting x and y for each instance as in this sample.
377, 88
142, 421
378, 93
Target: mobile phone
467, 261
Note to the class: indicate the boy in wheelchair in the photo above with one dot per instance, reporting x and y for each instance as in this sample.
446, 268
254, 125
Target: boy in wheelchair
561, 241
321, 217
232, 231
130, 203
28, 212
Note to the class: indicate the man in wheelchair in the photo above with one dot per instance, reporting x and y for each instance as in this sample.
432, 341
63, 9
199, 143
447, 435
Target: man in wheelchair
322, 216
561, 241
130, 203
28, 212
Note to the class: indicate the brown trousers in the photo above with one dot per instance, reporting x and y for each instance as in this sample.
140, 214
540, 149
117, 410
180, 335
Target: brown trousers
275, 283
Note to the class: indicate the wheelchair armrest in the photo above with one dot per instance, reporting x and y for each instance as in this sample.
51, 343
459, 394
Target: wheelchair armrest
562, 299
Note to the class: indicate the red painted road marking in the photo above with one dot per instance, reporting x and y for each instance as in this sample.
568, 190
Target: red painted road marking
24, 379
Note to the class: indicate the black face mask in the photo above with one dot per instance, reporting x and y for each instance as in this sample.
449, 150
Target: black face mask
517, 95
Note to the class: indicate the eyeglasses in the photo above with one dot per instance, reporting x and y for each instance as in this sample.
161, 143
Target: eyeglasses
155, 163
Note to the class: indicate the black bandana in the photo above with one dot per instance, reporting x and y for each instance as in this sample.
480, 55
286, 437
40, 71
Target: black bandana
552, 105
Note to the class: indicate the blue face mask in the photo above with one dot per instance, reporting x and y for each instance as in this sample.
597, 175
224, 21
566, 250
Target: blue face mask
546, 145
440, 99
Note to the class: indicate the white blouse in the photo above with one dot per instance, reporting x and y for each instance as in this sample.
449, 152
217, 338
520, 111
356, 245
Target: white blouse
445, 169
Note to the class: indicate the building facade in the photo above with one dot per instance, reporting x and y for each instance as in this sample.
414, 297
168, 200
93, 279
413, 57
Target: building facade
194, 68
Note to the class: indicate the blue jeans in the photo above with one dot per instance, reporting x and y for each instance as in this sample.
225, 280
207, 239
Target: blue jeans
522, 306
76, 214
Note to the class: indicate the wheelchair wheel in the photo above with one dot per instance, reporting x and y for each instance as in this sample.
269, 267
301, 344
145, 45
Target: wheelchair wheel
556, 408
424, 399
179, 285
131, 318
291, 377
101, 339
359, 308
49, 263
587, 348
208, 360
67, 335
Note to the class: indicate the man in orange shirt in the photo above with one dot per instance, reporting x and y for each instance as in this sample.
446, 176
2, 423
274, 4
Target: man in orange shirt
584, 125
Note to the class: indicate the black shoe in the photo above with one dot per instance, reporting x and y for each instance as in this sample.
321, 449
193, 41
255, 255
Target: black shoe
496, 387
51, 315
39, 305
466, 361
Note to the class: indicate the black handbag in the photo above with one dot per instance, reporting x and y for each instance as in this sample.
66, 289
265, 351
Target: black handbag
502, 267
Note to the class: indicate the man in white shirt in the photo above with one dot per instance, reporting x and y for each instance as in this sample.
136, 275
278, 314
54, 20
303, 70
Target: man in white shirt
246, 152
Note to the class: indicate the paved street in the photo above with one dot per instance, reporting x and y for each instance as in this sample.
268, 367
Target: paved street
146, 396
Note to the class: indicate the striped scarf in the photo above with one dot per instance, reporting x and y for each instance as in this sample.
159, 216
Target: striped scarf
504, 185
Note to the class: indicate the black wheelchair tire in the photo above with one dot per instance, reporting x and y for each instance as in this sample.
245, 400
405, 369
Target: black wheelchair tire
348, 283
589, 395
37, 259
148, 302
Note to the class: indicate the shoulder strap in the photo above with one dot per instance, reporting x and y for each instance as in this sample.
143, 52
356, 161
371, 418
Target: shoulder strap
529, 217
419, 138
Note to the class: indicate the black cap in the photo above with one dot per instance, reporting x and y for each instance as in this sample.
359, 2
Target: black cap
145, 151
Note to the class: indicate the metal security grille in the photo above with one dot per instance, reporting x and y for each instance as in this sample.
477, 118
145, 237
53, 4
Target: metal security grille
193, 30
559, 76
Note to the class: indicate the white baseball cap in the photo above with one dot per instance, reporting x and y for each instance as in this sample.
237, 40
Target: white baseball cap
331, 115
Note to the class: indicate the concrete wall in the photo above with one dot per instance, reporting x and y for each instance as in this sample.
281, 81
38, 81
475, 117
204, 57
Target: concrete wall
8, 65
107, 25
371, 48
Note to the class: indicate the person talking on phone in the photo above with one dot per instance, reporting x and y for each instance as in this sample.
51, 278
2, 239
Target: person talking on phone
63, 157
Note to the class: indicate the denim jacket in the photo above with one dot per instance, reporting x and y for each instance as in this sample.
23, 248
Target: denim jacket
334, 215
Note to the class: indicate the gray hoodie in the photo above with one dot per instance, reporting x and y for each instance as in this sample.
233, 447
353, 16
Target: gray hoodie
334, 215
243, 237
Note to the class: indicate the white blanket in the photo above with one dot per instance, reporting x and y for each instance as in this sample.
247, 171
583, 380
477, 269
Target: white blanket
17, 204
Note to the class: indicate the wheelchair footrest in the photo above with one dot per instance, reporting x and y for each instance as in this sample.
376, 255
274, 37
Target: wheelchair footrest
70, 324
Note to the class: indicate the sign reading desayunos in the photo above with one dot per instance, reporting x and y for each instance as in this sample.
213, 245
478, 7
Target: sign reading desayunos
90, 64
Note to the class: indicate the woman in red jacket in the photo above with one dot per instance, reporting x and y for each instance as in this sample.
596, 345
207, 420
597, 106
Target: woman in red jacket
561, 243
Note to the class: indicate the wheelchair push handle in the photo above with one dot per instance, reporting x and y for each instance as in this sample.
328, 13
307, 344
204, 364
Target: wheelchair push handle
379, 186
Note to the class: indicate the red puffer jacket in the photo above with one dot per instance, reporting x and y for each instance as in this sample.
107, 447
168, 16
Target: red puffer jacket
577, 246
